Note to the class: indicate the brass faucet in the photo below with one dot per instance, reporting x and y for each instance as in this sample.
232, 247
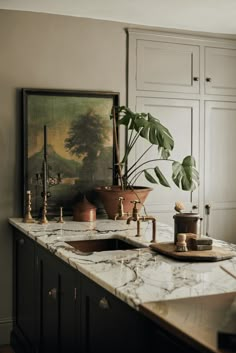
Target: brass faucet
120, 212
137, 218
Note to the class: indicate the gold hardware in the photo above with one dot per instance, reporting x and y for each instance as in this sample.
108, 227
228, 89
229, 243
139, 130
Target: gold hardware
104, 304
28, 218
60, 220
21, 241
120, 212
136, 218
53, 293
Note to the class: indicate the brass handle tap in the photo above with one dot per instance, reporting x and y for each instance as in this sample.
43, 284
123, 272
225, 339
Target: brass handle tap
120, 211
135, 214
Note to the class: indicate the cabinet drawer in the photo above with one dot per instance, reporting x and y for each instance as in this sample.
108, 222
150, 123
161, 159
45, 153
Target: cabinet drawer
167, 67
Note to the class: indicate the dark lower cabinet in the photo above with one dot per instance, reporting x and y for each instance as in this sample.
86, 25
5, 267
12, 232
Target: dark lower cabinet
108, 324
59, 310
56, 304
24, 334
45, 301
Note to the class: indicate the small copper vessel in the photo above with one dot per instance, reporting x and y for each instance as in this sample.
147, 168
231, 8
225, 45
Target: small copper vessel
84, 211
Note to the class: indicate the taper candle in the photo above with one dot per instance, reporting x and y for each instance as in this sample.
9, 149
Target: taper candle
45, 141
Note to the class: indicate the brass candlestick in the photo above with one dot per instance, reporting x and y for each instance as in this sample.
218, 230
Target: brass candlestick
61, 220
44, 211
28, 218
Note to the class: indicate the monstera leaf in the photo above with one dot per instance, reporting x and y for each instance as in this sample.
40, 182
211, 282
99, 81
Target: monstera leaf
149, 128
185, 175
159, 175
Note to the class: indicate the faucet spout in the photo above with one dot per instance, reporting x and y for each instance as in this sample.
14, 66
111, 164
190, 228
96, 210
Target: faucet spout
129, 219
154, 228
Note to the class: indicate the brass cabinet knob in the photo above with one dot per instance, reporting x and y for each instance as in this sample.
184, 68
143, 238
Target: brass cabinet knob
21, 241
104, 304
196, 79
52, 293
208, 79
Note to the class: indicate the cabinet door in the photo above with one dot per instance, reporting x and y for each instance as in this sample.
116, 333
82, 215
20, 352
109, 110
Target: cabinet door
220, 169
167, 67
220, 71
24, 265
108, 325
57, 305
181, 117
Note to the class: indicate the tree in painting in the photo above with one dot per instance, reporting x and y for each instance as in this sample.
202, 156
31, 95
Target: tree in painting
87, 139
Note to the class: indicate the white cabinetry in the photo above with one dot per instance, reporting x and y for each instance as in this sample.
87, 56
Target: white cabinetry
220, 168
167, 67
220, 71
189, 83
174, 114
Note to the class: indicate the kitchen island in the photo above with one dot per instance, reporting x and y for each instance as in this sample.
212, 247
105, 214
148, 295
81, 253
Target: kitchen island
133, 276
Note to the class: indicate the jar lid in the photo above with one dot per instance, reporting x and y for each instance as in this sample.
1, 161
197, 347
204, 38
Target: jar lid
84, 205
187, 215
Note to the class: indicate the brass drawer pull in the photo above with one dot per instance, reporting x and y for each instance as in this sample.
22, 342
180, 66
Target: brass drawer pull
53, 293
104, 304
21, 241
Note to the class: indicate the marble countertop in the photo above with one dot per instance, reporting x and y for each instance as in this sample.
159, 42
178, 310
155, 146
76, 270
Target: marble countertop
194, 320
135, 276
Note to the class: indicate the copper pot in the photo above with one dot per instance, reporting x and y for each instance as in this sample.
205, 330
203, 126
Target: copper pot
84, 211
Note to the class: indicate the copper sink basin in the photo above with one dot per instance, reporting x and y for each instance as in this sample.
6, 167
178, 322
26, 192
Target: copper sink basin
89, 246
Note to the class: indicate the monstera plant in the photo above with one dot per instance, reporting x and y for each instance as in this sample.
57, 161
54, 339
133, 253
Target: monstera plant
143, 126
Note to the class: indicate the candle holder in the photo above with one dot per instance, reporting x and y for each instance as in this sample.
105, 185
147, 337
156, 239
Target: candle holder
61, 220
45, 180
43, 219
28, 218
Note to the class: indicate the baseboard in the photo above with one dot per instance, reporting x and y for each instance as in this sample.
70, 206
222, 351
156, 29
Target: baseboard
5, 330
19, 343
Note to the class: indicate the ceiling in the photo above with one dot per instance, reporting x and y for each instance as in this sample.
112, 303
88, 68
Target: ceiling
217, 16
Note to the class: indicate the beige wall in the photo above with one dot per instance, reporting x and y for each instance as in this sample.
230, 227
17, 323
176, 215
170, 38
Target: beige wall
45, 51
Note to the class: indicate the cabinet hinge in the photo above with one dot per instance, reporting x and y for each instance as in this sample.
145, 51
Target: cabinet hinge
75, 293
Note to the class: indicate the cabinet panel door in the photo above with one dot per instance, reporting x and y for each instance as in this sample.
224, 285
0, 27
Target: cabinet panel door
220, 169
108, 325
220, 71
57, 305
25, 286
48, 305
181, 117
68, 296
167, 67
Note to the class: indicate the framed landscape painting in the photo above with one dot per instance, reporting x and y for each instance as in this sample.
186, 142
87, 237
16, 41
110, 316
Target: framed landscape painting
79, 145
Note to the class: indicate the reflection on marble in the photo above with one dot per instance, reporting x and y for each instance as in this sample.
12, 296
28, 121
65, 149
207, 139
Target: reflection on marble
138, 275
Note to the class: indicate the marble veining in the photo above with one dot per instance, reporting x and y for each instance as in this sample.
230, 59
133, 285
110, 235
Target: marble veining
138, 275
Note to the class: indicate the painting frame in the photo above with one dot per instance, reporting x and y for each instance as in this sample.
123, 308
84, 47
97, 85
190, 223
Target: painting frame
45, 107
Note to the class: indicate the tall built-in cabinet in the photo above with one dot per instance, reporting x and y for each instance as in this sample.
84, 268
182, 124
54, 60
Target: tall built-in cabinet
189, 83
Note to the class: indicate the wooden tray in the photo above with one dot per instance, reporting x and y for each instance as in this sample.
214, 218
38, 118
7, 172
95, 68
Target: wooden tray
216, 254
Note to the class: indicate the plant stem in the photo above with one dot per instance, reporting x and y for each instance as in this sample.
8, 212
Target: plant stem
137, 161
117, 150
152, 160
